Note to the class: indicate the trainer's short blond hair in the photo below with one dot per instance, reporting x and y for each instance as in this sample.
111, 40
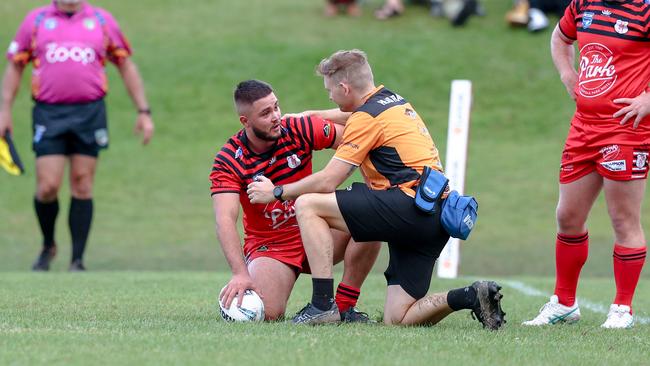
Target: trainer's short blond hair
347, 66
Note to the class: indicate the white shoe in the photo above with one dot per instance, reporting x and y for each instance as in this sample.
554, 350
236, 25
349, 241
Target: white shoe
619, 317
553, 313
537, 20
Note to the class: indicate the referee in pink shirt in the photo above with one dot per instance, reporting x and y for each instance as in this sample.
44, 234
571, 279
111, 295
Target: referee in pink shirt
68, 43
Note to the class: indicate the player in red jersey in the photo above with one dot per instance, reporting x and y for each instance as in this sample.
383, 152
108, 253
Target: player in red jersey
273, 255
606, 149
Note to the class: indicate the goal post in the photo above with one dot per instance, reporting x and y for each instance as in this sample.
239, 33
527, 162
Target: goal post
460, 105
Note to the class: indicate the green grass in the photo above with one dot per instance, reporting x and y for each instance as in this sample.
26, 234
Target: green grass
153, 318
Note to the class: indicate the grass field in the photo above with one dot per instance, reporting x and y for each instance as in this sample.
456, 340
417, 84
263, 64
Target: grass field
153, 318
156, 266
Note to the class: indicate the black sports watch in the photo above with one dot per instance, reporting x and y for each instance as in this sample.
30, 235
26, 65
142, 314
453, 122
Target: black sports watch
277, 192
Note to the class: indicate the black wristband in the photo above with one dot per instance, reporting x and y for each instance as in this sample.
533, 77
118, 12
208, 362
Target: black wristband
146, 111
277, 192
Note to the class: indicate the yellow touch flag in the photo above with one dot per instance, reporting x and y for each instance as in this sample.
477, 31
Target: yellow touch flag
9, 158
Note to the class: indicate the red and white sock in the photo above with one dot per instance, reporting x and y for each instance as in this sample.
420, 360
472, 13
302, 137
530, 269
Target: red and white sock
571, 252
628, 263
346, 297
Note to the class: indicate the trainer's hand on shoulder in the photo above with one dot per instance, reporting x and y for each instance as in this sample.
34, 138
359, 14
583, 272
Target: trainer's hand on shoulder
238, 284
144, 126
638, 107
261, 191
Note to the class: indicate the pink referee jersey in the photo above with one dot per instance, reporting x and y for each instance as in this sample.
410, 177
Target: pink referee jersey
68, 52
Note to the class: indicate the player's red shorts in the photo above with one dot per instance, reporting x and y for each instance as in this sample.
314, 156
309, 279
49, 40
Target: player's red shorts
585, 152
292, 254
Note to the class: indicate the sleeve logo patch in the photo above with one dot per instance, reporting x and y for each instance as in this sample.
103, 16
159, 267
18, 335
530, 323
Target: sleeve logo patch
13, 48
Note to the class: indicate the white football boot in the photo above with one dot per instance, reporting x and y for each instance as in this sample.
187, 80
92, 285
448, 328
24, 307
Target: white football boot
619, 317
553, 313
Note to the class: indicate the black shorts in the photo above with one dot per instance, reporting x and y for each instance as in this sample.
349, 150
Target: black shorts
66, 129
415, 239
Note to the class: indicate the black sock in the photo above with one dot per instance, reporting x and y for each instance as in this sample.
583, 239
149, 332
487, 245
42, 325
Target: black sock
461, 298
81, 215
323, 293
46, 213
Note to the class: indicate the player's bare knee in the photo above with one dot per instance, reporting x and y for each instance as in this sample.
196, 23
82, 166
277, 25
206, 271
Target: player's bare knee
273, 314
569, 221
304, 206
47, 191
81, 186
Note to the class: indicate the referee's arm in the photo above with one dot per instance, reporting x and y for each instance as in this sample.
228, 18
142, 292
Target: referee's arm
10, 84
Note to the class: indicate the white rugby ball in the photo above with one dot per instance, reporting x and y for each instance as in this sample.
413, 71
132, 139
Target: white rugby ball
251, 309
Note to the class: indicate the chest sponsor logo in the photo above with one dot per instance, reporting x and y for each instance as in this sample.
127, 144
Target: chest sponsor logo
50, 24
640, 161
587, 19
614, 166
89, 24
597, 70
82, 55
293, 161
621, 27
279, 212
13, 48
610, 152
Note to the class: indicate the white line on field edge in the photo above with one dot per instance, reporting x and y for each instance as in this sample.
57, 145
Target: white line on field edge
593, 306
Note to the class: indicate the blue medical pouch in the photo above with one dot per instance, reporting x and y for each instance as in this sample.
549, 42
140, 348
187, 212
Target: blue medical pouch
431, 187
459, 215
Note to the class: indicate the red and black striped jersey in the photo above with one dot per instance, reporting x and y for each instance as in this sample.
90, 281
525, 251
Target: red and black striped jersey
236, 166
614, 62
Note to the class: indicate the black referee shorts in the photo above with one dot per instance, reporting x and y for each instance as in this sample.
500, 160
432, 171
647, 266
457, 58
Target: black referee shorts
66, 129
415, 239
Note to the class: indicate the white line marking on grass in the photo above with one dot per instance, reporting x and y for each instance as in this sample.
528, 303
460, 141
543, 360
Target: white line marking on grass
589, 305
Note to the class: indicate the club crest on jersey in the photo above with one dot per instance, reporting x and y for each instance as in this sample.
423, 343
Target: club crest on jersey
597, 70
620, 27
587, 19
89, 24
50, 24
640, 162
239, 153
293, 161
410, 113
